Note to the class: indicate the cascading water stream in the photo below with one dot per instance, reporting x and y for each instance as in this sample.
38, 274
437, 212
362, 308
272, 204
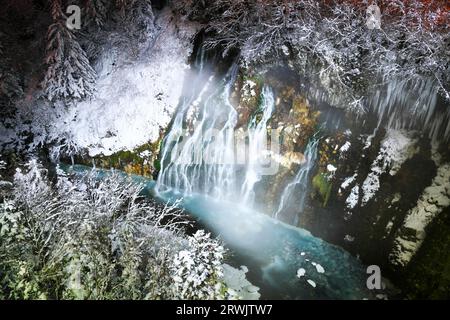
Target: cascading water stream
201, 163
299, 184
202, 154
257, 135
200, 158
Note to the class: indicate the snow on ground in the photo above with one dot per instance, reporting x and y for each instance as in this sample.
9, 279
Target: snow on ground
319, 268
396, 148
236, 280
348, 181
133, 102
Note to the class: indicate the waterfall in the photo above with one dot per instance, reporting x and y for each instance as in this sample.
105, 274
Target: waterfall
257, 135
201, 153
299, 184
188, 152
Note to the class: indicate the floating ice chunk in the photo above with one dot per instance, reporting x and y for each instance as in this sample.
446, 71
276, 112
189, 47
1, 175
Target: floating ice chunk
319, 268
311, 283
301, 272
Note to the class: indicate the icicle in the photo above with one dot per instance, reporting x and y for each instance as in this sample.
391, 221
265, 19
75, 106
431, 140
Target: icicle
412, 105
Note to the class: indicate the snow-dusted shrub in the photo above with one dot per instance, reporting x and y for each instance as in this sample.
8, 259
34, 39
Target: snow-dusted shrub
91, 238
199, 265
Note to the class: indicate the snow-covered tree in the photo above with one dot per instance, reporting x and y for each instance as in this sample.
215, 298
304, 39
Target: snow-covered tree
197, 271
138, 21
4, 185
412, 42
69, 74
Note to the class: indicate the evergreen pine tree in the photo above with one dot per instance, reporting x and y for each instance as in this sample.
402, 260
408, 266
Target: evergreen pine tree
10, 84
69, 74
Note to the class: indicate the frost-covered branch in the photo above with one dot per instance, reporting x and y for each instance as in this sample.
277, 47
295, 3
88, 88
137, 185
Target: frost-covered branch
412, 42
92, 238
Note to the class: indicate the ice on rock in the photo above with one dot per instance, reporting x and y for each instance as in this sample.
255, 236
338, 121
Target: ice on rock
331, 168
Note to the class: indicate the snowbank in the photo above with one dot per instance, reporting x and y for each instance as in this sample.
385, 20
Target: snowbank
133, 103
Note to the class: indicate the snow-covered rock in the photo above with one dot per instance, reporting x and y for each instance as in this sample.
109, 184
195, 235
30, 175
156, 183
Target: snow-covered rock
311, 283
396, 148
249, 90
353, 198
432, 202
235, 279
348, 181
332, 169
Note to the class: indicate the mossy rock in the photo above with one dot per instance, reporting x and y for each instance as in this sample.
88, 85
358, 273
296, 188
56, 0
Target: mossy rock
140, 161
322, 186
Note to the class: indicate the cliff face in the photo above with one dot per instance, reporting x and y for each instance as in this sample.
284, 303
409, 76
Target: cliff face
380, 187
380, 184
